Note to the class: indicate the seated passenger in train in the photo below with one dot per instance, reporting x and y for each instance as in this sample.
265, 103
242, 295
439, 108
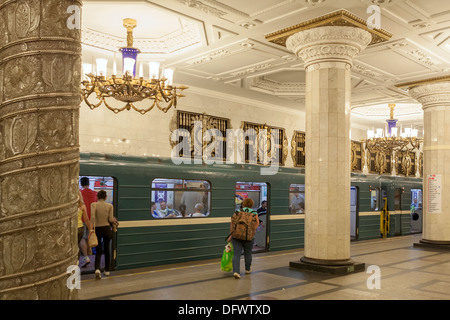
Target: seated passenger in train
296, 201
181, 213
153, 210
198, 210
164, 211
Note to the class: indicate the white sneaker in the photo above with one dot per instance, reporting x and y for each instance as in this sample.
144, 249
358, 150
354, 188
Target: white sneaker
86, 261
107, 273
248, 271
98, 274
237, 275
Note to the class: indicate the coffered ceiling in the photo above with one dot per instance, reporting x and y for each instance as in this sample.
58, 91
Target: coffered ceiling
218, 46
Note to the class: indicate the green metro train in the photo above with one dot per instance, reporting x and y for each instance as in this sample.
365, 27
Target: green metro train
177, 213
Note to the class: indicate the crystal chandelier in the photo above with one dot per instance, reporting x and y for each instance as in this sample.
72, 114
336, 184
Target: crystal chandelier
129, 88
391, 139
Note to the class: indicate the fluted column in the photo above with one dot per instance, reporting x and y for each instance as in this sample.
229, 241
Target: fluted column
435, 99
40, 63
328, 52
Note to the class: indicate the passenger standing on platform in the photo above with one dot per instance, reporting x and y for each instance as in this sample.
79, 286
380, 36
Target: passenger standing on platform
82, 216
102, 219
239, 244
89, 196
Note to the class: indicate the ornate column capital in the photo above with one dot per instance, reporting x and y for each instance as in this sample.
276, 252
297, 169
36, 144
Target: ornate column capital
432, 94
328, 44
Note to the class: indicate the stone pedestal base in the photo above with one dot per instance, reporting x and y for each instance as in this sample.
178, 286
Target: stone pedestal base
335, 267
433, 245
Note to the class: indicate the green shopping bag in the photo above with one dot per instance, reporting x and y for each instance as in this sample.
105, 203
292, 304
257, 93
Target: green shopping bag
227, 258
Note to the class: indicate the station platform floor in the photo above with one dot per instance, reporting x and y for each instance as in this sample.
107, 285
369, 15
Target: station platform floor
404, 273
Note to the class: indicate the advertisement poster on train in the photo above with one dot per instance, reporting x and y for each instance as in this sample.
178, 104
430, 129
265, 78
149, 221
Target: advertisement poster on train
161, 195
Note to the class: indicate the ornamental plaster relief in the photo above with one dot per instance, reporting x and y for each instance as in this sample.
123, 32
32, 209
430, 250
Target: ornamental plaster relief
328, 43
432, 94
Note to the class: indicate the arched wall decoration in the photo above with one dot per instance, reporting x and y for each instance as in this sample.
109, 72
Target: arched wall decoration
199, 135
357, 156
298, 148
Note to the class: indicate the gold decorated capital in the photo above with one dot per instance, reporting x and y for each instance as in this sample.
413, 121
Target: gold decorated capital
336, 18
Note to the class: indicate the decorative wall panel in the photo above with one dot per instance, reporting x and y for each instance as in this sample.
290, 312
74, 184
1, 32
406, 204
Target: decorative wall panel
405, 163
357, 156
298, 149
379, 162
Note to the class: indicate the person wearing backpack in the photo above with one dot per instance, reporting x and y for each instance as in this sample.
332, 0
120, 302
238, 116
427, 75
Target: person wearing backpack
242, 233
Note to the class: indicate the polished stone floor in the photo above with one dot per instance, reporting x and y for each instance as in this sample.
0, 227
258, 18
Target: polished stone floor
395, 270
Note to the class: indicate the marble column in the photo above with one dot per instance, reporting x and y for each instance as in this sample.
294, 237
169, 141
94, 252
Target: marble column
328, 52
40, 64
434, 96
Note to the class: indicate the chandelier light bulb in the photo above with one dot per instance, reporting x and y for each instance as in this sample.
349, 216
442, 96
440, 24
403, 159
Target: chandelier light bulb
394, 132
168, 73
102, 66
141, 71
87, 69
154, 70
128, 65
407, 132
379, 133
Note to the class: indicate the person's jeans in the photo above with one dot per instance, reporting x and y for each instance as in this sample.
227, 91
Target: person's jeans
238, 246
104, 236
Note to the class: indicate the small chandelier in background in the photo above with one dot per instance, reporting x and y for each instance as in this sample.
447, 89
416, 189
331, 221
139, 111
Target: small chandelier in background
391, 139
128, 88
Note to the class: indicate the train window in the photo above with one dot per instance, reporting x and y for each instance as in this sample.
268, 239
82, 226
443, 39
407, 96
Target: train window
180, 198
374, 199
398, 199
257, 191
416, 199
297, 198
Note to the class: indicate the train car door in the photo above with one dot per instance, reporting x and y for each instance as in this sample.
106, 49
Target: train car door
416, 210
258, 192
97, 183
353, 213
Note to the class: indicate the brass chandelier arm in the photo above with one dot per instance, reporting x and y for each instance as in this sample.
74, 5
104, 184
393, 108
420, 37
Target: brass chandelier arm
116, 110
144, 111
86, 95
171, 102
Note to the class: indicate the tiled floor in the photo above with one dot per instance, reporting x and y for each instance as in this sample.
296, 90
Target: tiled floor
405, 273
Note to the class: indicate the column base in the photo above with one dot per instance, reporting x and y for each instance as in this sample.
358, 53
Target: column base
335, 267
433, 245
